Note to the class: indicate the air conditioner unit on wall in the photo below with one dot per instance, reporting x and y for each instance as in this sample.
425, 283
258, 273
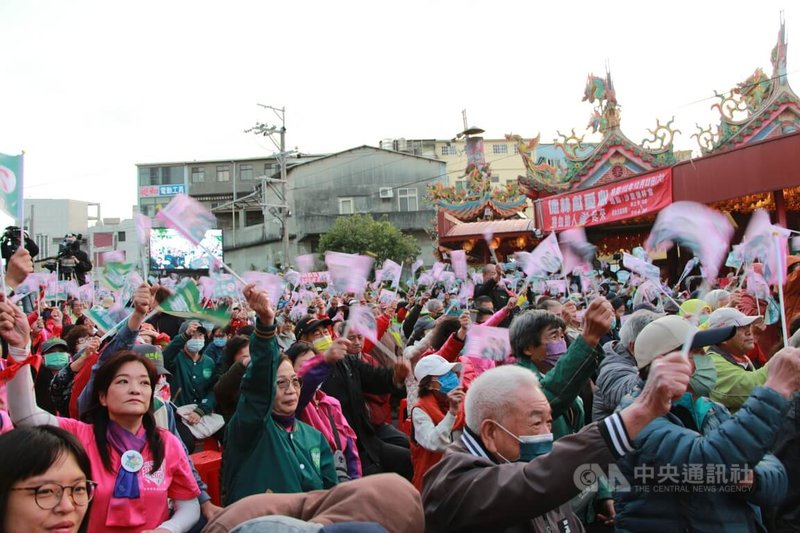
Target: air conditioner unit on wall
386, 192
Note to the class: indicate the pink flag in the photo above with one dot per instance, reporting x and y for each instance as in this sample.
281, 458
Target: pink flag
643, 268
488, 234
274, 285
576, 250
416, 266
466, 292
488, 342
361, 320
556, 286
206, 286
32, 282
757, 286
705, 231
86, 293
117, 256
348, 272
436, 271
766, 242
188, 216
458, 260
392, 272
425, 279
546, 258
305, 263
143, 226
386, 296
292, 276
298, 312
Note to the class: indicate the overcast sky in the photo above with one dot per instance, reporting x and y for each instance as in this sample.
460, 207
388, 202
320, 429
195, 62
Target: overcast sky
89, 89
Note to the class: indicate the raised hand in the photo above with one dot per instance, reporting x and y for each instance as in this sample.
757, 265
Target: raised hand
783, 374
597, 321
14, 326
455, 397
259, 302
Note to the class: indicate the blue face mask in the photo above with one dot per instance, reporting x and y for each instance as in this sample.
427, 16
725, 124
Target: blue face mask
531, 446
447, 382
219, 342
195, 345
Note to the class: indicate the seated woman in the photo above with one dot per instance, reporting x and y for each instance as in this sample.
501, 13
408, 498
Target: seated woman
324, 413
47, 486
266, 448
137, 466
234, 360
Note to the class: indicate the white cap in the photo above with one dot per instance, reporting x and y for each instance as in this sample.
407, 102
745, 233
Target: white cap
729, 316
434, 365
668, 334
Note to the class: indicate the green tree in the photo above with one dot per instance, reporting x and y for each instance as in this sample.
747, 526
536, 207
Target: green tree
361, 234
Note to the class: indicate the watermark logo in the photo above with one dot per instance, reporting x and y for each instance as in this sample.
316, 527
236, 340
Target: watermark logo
667, 478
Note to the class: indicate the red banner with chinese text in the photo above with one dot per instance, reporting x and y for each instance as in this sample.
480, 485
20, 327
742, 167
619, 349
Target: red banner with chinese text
617, 201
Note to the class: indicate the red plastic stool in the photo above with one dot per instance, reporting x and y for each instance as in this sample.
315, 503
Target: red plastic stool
403, 420
208, 465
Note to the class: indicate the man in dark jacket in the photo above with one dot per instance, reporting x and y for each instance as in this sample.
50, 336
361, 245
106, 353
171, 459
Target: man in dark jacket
493, 481
617, 374
699, 468
491, 286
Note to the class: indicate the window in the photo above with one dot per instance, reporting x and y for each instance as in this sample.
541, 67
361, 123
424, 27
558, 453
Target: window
516, 148
499, 148
198, 174
223, 173
461, 186
407, 199
495, 178
448, 149
270, 169
154, 179
120, 236
345, 206
246, 172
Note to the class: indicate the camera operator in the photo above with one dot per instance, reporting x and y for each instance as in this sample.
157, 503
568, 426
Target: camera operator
71, 262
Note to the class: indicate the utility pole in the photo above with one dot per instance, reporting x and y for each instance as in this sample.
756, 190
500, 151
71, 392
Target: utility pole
269, 131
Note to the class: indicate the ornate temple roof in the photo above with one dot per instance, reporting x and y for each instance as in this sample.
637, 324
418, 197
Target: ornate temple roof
478, 199
759, 108
614, 158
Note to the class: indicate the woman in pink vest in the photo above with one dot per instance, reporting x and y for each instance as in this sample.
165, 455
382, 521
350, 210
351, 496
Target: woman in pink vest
324, 413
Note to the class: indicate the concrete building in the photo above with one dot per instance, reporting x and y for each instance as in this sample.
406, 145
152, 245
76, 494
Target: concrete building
501, 154
49, 220
365, 180
115, 234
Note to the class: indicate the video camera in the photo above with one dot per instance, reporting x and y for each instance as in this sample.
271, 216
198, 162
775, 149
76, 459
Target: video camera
65, 262
10, 241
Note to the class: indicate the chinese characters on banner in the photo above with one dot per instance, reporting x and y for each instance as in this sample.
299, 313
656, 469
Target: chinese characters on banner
617, 201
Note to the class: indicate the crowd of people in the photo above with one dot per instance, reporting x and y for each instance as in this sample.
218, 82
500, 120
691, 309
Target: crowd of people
609, 408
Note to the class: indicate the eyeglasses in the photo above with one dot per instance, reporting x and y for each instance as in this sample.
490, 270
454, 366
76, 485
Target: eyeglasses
284, 384
49, 496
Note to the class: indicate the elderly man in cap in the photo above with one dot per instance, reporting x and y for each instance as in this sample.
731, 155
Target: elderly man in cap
736, 374
506, 473
699, 468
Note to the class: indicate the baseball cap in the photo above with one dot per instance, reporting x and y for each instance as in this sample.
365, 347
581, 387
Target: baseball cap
434, 365
729, 316
668, 334
154, 354
51, 343
308, 324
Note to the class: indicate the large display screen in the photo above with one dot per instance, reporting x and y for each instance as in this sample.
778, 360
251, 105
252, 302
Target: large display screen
171, 251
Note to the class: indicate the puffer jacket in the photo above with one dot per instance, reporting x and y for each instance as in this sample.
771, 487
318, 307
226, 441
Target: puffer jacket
616, 377
662, 496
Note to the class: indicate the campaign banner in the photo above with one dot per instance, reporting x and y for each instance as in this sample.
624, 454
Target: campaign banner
617, 201
314, 277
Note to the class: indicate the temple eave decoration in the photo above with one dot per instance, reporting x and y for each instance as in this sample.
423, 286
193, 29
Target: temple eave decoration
758, 108
614, 158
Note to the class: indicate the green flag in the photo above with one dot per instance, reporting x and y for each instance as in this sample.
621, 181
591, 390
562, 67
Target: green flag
11, 186
101, 318
185, 303
114, 275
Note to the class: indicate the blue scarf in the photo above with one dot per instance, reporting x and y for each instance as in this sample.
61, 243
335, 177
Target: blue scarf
122, 440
